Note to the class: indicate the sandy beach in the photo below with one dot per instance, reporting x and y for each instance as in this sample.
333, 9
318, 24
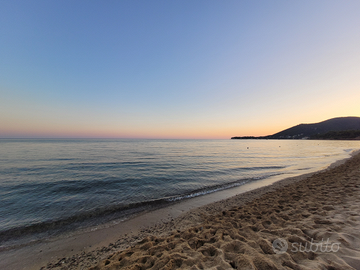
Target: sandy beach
306, 222
179, 135
317, 218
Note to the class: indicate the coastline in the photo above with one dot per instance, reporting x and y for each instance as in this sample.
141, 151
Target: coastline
78, 251
312, 223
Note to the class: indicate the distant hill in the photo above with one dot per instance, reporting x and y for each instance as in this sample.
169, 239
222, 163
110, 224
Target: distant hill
338, 135
335, 128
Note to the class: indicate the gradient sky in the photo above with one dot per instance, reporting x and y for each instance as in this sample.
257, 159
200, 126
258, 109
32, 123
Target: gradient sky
175, 69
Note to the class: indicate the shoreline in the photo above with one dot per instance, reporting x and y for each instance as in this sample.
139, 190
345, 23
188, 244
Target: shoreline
312, 223
79, 250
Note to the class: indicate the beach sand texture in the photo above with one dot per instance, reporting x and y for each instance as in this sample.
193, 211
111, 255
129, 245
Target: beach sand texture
237, 233
320, 208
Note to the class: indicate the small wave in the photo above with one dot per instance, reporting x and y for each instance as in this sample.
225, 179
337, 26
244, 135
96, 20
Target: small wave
215, 188
205, 192
304, 169
67, 186
103, 215
255, 168
90, 218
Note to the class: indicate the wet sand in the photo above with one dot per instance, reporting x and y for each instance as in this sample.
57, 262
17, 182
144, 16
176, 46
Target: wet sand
235, 233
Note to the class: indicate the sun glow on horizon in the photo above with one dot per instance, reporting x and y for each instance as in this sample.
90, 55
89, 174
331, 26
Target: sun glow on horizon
126, 70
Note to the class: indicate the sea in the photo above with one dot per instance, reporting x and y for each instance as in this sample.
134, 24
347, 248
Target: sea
52, 186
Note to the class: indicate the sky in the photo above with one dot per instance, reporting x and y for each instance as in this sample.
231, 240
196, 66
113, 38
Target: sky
175, 69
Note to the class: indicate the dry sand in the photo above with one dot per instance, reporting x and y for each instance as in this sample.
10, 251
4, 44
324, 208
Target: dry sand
236, 233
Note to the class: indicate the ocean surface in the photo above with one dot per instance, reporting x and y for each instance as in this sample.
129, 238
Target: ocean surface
52, 186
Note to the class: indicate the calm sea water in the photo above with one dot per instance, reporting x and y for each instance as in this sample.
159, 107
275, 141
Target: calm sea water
49, 186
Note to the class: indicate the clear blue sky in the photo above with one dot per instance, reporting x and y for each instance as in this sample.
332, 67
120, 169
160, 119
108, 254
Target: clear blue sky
175, 69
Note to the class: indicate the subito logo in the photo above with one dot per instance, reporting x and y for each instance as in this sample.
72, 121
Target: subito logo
280, 246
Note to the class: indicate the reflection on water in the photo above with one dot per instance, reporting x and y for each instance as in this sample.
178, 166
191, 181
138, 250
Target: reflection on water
49, 183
